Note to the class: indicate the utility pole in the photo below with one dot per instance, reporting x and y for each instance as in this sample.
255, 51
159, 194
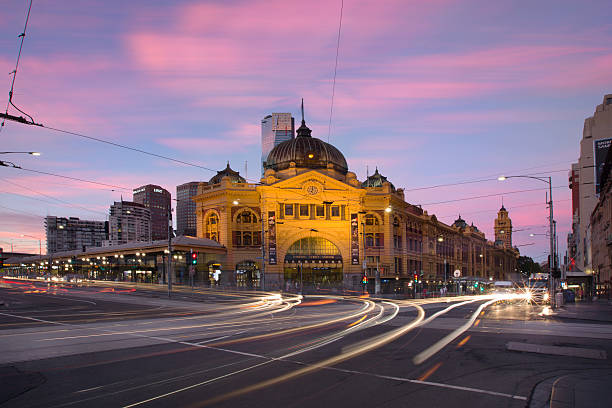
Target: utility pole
551, 263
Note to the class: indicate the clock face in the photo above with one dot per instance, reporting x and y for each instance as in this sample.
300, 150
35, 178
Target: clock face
312, 190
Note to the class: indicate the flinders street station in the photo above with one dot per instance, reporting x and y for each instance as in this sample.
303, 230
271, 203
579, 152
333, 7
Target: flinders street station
311, 222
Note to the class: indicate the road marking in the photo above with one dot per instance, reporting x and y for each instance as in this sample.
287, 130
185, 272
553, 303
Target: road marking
358, 321
429, 372
431, 383
476, 323
557, 351
462, 342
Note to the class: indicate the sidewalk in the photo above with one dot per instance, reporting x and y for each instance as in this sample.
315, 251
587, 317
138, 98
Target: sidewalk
599, 311
589, 389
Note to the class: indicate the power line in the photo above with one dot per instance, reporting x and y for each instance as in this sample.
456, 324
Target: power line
75, 179
495, 210
14, 73
128, 148
53, 198
489, 195
22, 212
331, 108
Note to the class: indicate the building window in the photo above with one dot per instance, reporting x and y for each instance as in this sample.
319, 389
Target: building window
289, 210
335, 210
371, 220
212, 227
320, 211
246, 230
304, 210
374, 240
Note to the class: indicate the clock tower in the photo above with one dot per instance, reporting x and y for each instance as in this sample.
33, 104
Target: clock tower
503, 229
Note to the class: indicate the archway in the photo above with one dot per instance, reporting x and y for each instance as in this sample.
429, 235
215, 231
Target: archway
313, 262
247, 274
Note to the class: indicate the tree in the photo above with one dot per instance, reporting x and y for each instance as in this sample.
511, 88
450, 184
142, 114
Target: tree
527, 266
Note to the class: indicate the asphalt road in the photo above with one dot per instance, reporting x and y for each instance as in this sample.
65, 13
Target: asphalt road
99, 347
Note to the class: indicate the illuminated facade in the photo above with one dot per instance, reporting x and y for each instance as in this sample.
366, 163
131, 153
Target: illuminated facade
503, 228
325, 228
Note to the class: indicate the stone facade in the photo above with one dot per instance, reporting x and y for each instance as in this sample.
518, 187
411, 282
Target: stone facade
321, 223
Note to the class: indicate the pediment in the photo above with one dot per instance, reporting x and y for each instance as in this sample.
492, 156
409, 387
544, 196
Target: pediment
314, 182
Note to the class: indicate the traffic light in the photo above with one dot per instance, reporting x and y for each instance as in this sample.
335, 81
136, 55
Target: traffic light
194, 258
416, 278
364, 280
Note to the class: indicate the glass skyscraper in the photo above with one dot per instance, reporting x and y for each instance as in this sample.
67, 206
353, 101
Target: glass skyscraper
275, 129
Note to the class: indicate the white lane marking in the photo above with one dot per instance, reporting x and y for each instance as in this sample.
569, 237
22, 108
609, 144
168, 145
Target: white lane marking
379, 341
88, 389
430, 383
221, 338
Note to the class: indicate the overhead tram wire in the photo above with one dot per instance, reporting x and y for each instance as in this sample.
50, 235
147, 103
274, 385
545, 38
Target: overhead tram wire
331, 108
135, 149
53, 198
75, 179
14, 73
488, 195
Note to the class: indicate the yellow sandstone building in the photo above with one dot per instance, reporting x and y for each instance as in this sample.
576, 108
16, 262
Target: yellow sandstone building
311, 222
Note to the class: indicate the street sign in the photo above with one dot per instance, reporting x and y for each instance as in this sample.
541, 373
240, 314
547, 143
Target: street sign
457, 273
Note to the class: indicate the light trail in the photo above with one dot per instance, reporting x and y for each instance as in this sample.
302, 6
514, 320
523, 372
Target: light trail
440, 344
361, 348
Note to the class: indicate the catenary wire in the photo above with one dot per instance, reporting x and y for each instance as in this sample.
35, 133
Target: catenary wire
331, 108
10, 100
489, 195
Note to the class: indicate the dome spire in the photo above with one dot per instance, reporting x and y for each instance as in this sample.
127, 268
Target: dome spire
303, 130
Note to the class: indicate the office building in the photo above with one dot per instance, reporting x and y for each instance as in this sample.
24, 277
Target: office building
275, 129
185, 209
157, 200
67, 234
129, 222
596, 140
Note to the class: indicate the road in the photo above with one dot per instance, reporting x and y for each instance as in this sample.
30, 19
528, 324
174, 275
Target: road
118, 345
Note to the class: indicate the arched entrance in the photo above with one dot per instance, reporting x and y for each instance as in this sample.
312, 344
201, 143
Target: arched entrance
247, 275
313, 262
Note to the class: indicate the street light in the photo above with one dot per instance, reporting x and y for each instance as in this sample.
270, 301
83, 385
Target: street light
39, 242
32, 153
553, 262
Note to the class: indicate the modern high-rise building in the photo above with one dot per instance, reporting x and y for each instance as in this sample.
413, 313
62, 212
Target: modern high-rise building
503, 229
594, 146
275, 129
129, 222
157, 200
68, 234
186, 208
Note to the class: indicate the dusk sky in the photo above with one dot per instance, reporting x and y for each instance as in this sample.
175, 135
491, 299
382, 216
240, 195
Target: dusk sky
430, 92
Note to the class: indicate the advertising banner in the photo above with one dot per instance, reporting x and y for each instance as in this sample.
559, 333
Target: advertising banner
271, 238
354, 239
600, 148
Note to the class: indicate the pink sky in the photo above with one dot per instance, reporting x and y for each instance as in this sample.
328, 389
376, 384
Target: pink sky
430, 92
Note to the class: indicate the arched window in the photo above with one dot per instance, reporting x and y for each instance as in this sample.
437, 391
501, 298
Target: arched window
246, 231
246, 217
212, 227
371, 219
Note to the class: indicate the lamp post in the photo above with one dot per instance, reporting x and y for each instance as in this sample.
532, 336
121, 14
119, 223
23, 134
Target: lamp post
552, 264
32, 153
39, 242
